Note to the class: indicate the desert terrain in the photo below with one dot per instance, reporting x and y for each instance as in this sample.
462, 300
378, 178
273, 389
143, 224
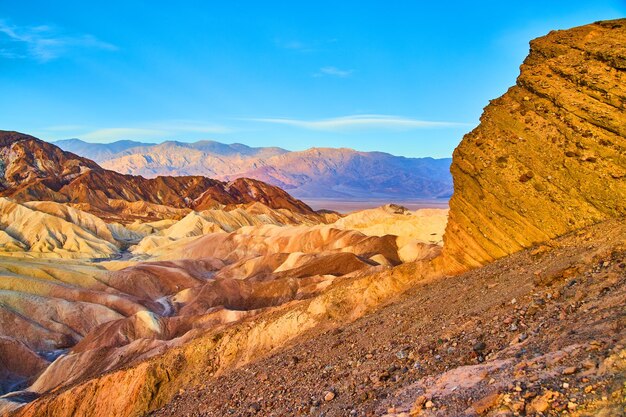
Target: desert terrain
191, 296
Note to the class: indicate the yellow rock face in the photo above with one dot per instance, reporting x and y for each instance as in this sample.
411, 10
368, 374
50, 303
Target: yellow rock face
549, 156
419, 233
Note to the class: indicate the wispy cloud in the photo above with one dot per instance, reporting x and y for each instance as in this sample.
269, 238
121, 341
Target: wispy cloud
63, 128
333, 72
116, 133
43, 43
294, 45
161, 130
297, 45
361, 122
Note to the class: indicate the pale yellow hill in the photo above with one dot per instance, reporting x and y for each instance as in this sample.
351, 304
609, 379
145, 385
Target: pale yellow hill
53, 230
412, 228
163, 233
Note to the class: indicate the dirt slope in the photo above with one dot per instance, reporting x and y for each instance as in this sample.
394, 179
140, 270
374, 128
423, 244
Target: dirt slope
544, 324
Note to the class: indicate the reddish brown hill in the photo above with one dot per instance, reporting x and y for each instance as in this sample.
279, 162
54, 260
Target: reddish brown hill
35, 170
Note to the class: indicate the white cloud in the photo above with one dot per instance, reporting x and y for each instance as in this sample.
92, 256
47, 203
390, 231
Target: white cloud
293, 45
63, 128
361, 122
43, 43
160, 130
117, 133
192, 126
334, 72
308, 46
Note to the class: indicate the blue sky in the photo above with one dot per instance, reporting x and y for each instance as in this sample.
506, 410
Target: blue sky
405, 77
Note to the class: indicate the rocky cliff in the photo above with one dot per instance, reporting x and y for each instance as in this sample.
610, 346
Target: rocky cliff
549, 156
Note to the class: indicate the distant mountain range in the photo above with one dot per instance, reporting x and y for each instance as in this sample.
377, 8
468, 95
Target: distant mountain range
339, 173
36, 170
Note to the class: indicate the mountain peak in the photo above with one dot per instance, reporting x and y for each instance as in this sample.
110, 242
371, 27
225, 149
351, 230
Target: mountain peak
9, 136
38, 170
315, 173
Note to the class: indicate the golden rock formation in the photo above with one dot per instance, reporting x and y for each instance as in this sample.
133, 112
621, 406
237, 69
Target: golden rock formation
549, 156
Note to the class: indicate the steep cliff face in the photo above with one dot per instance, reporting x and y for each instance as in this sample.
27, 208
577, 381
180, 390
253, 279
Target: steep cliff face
549, 156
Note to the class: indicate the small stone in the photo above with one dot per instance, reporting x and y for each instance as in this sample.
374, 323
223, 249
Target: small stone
479, 346
420, 401
525, 177
571, 405
429, 404
401, 354
329, 396
569, 370
529, 394
589, 364
565, 385
518, 406
540, 404
486, 403
588, 389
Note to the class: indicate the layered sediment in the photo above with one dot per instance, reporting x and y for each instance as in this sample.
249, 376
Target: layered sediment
549, 156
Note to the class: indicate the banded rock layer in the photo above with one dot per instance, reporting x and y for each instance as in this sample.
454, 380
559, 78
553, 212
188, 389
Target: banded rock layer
549, 156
